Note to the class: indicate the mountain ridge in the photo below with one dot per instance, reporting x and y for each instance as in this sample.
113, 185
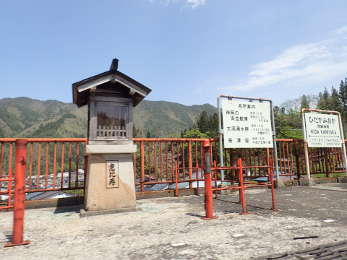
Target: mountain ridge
27, 117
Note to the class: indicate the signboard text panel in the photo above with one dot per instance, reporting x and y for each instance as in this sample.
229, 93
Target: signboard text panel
246, 124
322, 130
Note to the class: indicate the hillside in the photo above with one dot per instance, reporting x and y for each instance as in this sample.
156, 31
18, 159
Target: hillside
295, 104
25, 117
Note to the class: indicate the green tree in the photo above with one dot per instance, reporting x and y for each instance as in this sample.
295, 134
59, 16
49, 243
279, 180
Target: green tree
137, 132
203, 122
208, 124
343, 98
287, 123
214, 126
343, 92
193, 133
304, 102
335, 101
323, 101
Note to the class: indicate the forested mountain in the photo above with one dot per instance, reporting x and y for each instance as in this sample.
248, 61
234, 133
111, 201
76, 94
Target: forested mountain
25, 117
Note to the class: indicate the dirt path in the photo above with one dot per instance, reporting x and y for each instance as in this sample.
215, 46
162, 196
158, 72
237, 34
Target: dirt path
170, 228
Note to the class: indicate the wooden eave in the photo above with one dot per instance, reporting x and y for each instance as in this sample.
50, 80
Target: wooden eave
81, 89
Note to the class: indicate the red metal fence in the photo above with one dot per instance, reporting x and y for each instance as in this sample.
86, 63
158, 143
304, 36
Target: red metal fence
323, 161
256, 157
291, 159
59, 164
157, 159
53, 164
238, 179
6, 174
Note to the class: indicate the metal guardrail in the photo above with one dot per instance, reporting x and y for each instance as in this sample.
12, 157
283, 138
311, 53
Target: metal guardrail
59, 164
157, 159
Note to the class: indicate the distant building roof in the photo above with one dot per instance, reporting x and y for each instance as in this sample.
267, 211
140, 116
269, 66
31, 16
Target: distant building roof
81, 89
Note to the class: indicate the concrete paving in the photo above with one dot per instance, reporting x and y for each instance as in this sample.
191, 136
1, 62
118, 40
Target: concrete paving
172, 228
332, 186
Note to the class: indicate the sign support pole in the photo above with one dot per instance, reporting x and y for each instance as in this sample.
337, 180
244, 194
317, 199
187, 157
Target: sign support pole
343, 144
274, 145
307, 159
221, 154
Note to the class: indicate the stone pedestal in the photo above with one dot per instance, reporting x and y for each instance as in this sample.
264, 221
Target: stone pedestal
110, 182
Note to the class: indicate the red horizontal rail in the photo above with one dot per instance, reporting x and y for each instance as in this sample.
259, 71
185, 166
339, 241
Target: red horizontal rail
137, 139
6, 207
257, 185
244, 167
4, 192
45, 140
227, 188
8, 179
52, 189
170, 139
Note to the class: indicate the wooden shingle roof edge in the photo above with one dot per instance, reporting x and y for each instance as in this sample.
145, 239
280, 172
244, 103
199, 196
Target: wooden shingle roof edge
82, 87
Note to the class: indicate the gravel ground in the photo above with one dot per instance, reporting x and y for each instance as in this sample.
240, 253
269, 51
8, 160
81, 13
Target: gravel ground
171, 228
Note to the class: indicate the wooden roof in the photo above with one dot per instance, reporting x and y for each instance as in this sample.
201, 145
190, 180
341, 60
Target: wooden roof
81, 89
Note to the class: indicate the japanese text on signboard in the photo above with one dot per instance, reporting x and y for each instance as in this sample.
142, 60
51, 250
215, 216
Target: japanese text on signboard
246, 124
112, 174
322, 130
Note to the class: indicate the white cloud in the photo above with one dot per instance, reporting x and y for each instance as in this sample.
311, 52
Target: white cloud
192, 3
301, 64
341, 30
196, 3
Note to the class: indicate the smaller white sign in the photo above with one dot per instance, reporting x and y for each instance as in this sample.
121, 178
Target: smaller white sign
322, 130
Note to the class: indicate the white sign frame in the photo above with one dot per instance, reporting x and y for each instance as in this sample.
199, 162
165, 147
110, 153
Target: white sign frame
221, 128
308, 143
246, 124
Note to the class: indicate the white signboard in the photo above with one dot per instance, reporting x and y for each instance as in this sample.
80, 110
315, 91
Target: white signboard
322, 130
246, 124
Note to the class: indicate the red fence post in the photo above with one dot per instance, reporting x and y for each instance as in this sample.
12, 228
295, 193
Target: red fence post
271, 179
142, 153
19, 195
190, 163
208, 181
176, 180
242, 187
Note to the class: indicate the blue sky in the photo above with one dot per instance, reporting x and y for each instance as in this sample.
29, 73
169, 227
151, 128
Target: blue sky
187, 51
